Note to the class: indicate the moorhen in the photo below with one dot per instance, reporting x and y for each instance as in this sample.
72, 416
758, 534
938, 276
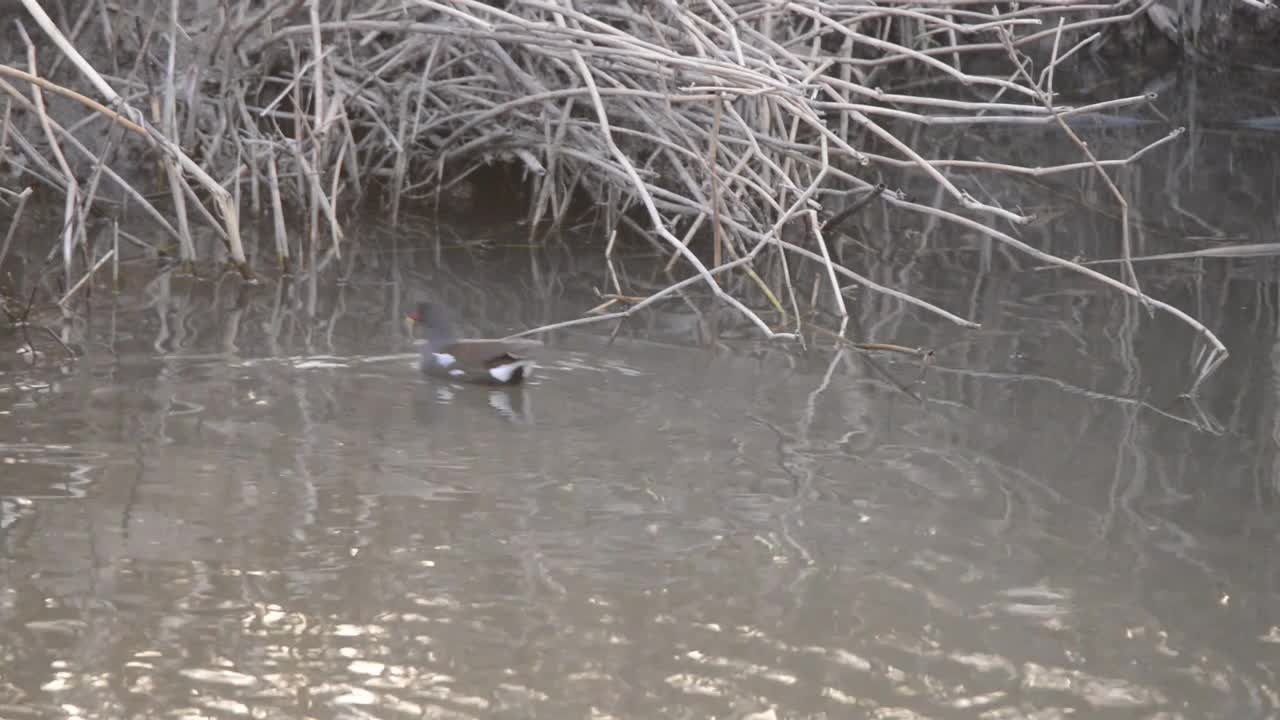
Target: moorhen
486, 362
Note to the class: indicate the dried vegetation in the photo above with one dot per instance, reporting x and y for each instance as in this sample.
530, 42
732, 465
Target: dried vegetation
745, 123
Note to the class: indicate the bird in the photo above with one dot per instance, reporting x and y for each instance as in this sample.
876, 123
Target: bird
483, 362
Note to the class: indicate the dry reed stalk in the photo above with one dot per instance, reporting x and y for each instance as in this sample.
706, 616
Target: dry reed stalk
110, 255
277, 212
727, 119
71, 229
70, 140
22, 198
168, 121
222, 198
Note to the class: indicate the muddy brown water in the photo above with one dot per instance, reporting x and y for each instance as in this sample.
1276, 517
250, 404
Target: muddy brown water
245, 502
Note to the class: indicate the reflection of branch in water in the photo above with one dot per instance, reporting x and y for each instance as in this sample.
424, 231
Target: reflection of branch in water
1202, 419
1128, 483
1213, 428
795, 459
925, 355
22, 321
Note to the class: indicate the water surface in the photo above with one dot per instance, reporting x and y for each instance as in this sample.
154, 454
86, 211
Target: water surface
245, 502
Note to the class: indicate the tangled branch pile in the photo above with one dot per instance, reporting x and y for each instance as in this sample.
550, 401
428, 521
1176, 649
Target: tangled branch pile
729, 119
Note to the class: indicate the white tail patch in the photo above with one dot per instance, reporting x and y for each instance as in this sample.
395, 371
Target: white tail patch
444, 360
504, 372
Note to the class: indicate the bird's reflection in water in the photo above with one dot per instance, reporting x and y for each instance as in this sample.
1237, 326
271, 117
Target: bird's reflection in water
510, 403
513, 404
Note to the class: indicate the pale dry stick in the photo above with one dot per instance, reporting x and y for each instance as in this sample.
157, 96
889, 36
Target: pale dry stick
678, 151
801, 202
757, 150
549, 42
400, 161
353, 155
222, 198
608, 259
168, 121
816, 226
600, 33
893, 49
277, 211
790, 161
673, 288
289, 86
40, 170
115, 258
760, 149
320, 130
1027, 11
688, 238
194, 200
4, 125
547, 191
327, 110
846, 108
717, 232
70, 228
91, 191
110, 255
647, 200
1248, 250
1145, 98
73, 142
702, 45
13, 222
694, 188
944, 17
565, 189
982, 119
952, 34
335, 187
240, 168
1046, 97
760, 46
877, 287
741, 174
965, 199
1095, 22
747, 258
1057, 261
1034, 171
973, 48
248, 148
845, 82
764, 240
312, 179
481, 116
317, 66
1046, 75
882, 97
17, 74
337, 110
940, 23
720, 27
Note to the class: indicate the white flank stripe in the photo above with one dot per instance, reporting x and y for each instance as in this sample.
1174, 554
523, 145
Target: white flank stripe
503, 373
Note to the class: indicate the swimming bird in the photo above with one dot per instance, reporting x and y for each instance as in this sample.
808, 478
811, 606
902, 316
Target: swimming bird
485, 362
